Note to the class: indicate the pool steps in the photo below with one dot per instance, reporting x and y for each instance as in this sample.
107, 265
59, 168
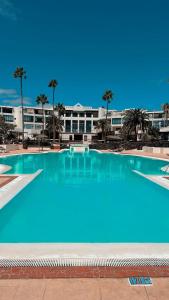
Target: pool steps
80, 148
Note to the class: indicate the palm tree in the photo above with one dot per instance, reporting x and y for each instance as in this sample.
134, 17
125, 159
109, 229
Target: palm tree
57, 125
21, 74
108, 97
52, 84
6, 130
42, 99
60, 110
134, 118
101, 125
165, 108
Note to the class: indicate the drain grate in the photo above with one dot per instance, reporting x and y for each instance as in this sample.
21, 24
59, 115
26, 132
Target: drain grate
140, 280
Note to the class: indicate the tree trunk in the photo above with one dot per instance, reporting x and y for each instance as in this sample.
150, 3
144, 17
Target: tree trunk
105, 134
21, 91
43, 128
136, 133
54, 132
59, 127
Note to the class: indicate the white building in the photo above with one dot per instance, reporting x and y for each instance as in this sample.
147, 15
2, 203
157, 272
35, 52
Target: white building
79, 122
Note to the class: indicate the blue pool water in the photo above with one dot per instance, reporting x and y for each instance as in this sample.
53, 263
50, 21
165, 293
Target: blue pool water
88, 197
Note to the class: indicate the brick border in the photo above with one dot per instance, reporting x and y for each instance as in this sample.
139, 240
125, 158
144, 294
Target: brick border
81, 272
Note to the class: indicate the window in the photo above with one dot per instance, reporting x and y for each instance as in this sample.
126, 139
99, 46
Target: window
81, 126
38, 119
95, 114
7, 110
81, 115
68, 125
75, 126
158, 115
88, 114
8, 118
28, 126
38, 127
85, 138
116, 121
157, 124
75, 114
29, 110
48, 112
28, 118
88, 126
38, 111
68, 113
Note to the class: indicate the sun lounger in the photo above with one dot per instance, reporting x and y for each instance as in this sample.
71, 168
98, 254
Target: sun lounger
2, 150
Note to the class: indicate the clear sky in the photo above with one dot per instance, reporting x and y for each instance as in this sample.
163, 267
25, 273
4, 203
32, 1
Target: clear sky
88, 46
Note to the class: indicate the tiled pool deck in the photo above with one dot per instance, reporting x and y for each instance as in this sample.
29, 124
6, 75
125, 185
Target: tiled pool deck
82, 289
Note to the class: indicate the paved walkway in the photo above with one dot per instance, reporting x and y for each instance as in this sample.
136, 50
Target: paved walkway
82, 289
143, 153
29, 150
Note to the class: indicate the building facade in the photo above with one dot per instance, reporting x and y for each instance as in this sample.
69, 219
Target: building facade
79, 122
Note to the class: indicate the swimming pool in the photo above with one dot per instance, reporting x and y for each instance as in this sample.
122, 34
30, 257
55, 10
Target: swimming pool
86, 198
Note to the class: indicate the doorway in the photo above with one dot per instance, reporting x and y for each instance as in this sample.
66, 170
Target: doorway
78, 137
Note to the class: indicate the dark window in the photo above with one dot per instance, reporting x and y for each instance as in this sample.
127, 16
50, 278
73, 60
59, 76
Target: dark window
158, 115
38, 111
38, 119
75, 114
7, 110
75, 126
116, 121
95, 114
88, 126
81, 115
88, 114
48, 112
158, 124
28, 126
81, 126
68, 125
68, 113
85, 138
38, 127
8, 118
28, 118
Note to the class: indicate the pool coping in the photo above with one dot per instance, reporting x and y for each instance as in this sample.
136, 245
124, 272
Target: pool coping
157, 179
90, 255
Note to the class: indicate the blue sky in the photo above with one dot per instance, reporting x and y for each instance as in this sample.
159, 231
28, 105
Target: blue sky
88, 46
